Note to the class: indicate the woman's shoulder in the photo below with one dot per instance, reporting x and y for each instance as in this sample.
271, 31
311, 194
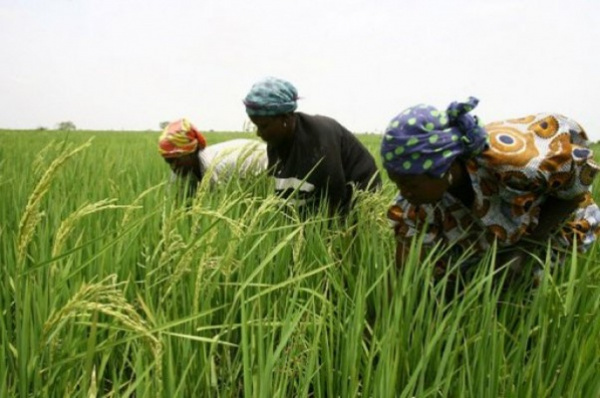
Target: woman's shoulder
319, 121
322, 129
231, 149
236, 144
536, 152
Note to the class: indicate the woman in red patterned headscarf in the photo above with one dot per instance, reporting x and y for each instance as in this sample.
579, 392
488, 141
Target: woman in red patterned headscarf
185, 149
179, 144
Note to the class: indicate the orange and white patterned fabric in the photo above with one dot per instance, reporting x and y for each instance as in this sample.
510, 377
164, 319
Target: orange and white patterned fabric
528, 160
180, 138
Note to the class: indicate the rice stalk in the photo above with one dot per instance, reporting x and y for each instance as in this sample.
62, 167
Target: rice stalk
67, 225
298, 246
107, 298
182, 267
170, 242
170, 247
114, 187
39, 162
135, 204
32, 215
210, 262
93, 390
218, 215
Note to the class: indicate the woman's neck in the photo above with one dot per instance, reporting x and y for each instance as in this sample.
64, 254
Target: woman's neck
283, 148
461, 187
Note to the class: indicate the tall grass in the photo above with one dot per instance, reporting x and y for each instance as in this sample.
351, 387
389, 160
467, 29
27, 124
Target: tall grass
121, 290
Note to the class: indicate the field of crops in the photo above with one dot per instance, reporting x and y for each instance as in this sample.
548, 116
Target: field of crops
111, 287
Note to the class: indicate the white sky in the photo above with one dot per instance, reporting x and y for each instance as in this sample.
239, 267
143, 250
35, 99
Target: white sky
129, 64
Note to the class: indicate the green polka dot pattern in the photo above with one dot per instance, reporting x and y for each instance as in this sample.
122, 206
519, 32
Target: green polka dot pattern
423, 139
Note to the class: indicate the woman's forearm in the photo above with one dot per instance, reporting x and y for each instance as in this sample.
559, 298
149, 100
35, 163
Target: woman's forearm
553, 213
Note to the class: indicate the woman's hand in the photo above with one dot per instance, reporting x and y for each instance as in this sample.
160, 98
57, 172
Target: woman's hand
515, 262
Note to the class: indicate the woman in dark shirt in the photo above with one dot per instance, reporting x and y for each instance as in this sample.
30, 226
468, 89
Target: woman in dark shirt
314, 156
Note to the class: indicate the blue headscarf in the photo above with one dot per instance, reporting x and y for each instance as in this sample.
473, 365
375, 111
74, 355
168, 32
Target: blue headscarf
271, 96
423, 140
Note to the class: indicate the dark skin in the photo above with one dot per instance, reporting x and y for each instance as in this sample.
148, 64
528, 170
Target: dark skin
275, 130
187, 164
189, 170
423, 189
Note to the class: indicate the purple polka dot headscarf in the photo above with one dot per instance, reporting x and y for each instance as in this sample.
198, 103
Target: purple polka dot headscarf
423, 140
271, 96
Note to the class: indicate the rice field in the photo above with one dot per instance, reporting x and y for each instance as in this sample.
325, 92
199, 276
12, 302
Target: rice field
111, 287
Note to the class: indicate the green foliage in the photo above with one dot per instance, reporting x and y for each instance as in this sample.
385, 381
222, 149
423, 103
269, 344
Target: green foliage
66, 126
122, 291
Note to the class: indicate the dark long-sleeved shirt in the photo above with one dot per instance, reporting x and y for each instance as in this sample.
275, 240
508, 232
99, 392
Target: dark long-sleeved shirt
323, 160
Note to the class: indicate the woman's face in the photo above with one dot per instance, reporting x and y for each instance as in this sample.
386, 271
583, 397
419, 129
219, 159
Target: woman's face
186, 165
420, 189
273, 129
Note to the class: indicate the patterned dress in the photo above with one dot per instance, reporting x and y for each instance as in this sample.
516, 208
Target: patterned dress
528, 160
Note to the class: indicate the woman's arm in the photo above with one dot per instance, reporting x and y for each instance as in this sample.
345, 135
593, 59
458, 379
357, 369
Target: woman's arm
401, 254
553, 213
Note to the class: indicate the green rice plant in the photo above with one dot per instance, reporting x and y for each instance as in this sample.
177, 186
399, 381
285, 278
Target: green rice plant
135, 205
68, 224
234, 293
32, 214
104, 297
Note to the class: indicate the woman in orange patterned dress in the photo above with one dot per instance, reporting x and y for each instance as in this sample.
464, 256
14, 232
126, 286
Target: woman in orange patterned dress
519, 182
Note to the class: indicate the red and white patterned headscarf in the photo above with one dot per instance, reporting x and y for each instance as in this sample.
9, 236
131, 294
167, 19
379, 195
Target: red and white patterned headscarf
180, 138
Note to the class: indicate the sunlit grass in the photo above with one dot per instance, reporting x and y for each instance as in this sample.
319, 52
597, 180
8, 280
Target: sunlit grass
118, 289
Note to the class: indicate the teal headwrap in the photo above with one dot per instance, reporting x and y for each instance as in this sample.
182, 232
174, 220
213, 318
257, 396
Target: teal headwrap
271, 96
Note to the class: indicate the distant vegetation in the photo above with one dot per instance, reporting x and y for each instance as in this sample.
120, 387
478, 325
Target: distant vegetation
66, 126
